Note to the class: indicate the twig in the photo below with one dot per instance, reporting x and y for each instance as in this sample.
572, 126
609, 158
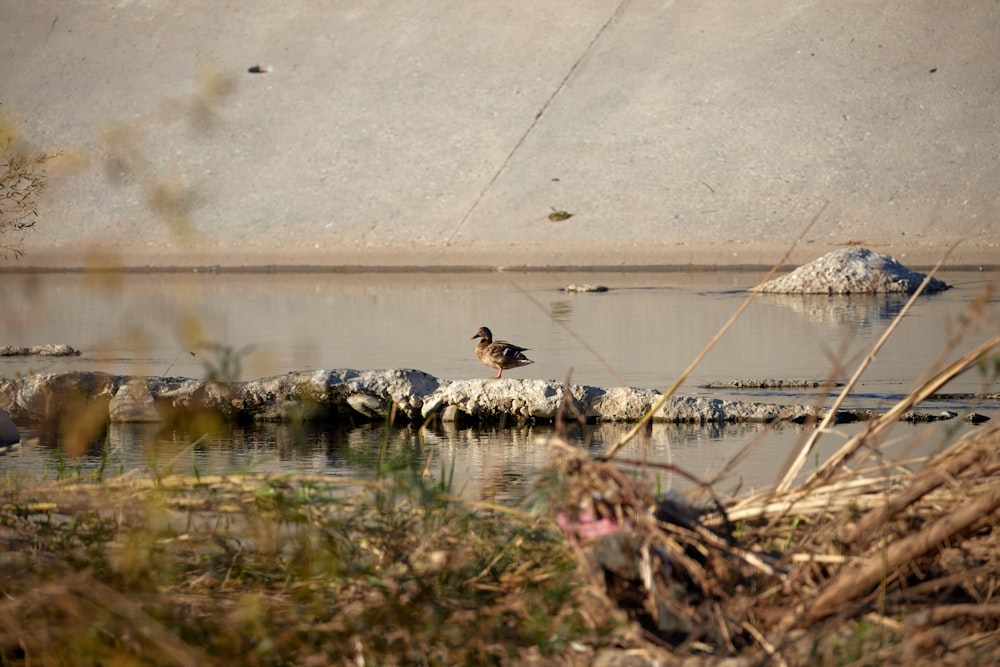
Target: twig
768, 647
641, 424
876, 425
930, 478
594, 353
851, 582
796, 467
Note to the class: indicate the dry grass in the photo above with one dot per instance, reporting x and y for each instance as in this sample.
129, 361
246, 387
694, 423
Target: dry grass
859, 563
876, 565
285, 570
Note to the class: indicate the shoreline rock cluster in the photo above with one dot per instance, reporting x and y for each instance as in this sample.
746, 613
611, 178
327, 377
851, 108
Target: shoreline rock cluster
59, 350
404, 395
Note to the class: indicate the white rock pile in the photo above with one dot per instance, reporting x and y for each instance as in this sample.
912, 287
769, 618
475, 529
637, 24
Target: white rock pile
851, 271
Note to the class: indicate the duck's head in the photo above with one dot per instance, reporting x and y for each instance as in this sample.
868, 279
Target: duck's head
485, 334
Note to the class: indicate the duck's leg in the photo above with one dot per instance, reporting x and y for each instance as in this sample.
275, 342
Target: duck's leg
499, 373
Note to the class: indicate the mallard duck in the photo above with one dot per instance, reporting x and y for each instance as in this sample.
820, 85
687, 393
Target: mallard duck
499, 354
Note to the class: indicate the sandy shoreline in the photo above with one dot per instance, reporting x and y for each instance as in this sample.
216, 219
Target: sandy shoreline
466, 258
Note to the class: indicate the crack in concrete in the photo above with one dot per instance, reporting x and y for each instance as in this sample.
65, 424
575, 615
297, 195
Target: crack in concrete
534, 121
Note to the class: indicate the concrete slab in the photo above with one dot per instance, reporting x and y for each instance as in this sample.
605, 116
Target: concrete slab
443, 133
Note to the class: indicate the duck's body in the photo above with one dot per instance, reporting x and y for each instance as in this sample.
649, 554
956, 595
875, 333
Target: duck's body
500, 354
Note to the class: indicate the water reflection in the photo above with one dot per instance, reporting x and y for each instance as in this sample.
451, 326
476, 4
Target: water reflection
862, 311
561, 311
494, 463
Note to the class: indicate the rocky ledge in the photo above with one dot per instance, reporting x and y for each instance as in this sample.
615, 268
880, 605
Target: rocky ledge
404, 395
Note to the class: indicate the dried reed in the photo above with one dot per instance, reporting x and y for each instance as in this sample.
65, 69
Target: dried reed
849, 565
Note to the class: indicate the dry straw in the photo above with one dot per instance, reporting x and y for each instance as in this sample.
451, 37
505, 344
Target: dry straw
852, 564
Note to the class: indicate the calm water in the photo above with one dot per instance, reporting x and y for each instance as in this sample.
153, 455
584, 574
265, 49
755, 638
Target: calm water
643, 333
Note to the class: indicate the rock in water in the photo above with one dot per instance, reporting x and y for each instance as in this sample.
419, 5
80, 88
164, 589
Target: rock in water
133, 403
39, 350
584, 287
851, 271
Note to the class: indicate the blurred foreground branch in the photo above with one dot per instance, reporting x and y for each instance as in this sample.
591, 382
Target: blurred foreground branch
22, 180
